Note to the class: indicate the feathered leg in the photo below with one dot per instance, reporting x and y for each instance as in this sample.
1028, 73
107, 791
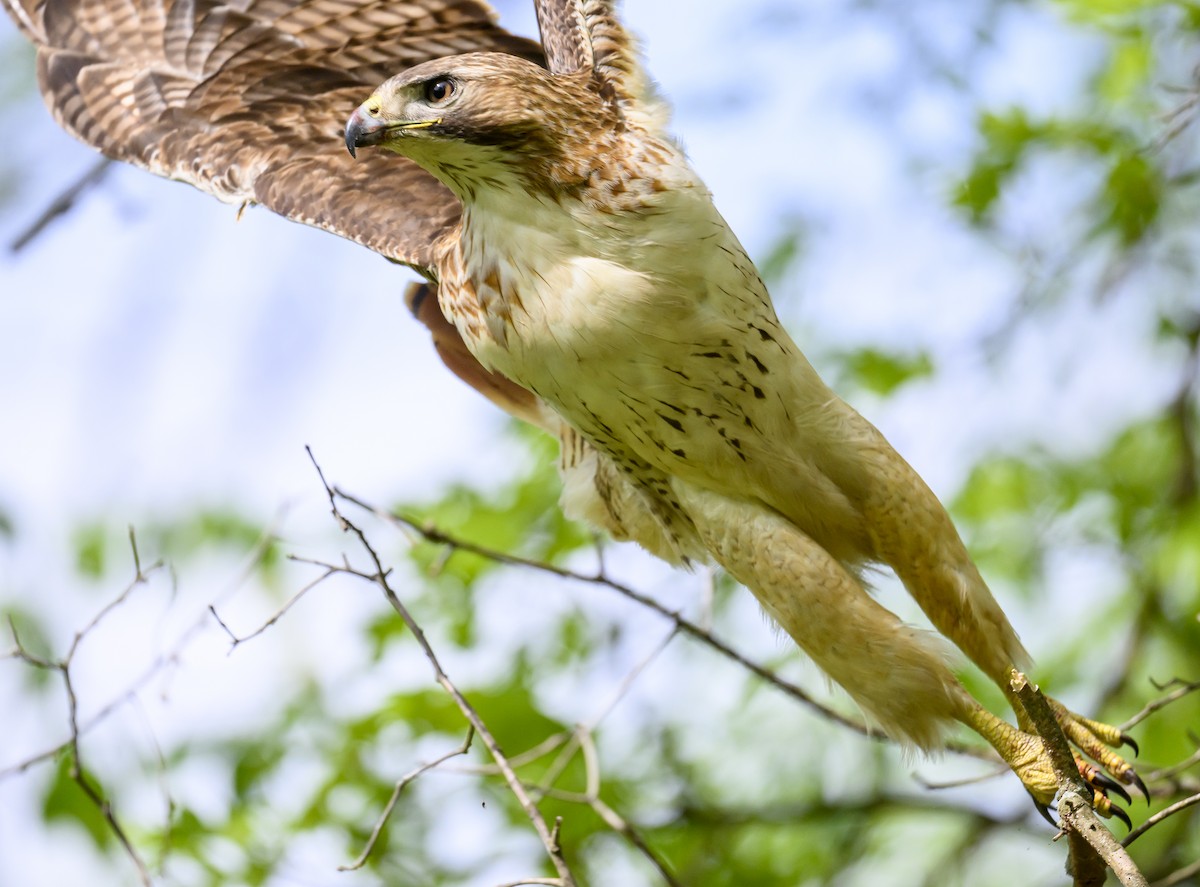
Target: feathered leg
912, 533
897, 673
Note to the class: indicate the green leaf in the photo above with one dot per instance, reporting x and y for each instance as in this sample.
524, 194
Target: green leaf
1104, 10
980, 190
66, 801
34, 639
1176, 562
785, 252
91, 545
1004, 485
206, 529
522, 517
1133, 194
254, 761
1128, 71
882, 373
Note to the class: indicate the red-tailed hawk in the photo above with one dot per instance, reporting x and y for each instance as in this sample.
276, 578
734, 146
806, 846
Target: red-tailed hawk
578, 275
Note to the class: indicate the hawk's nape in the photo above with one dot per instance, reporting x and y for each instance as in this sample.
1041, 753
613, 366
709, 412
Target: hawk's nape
247, 101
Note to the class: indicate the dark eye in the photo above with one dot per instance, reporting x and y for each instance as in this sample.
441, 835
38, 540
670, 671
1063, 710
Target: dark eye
437, 91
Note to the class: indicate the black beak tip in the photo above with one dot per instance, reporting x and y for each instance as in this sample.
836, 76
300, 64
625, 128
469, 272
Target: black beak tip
352, 139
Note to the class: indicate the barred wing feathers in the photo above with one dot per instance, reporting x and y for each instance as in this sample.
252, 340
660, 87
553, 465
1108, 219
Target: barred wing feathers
247, 99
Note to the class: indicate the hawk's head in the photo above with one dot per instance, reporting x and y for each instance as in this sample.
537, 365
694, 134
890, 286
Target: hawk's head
486, 119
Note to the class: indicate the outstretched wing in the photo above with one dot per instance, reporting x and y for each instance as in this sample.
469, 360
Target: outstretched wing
585, 35
247, 99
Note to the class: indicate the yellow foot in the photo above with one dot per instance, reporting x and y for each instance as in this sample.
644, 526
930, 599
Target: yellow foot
1097, 741
1027, 756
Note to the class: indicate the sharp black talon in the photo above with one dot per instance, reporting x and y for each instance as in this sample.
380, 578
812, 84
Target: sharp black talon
1045, 811
1126, 739
1123, 816
1110, 785
1132, 778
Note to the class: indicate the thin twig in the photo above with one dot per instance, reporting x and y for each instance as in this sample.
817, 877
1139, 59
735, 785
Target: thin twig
72, 744
235, 641
628, 681
161, 768
1184, 688
1159, 817
582, 732
620, 825
1167, 774
391, 804
549, 840
1181, 876
160, 663
61, 204
682, 623
546, 746
961, 783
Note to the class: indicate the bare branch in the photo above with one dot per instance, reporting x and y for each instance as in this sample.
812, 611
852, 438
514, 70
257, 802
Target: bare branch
1075, 811
139, 578
543, 748
1176, 121
80, 728
160, 663
629, 680
1159, 817
391, 804
620, 825
1182, 876
161, 768
1092, 845
1184, 688
937, 786
1169, 774
63, 667
236, 641
549, 840
61, 204
681, 623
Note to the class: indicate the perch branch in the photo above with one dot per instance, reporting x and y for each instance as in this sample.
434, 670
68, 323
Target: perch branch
1092, 845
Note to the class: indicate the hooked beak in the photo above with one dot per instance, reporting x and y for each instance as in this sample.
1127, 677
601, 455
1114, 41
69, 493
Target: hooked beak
364, 128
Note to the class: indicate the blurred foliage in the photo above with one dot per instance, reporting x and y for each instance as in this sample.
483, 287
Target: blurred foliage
881, 373
1132, 189
705, 778
66, 801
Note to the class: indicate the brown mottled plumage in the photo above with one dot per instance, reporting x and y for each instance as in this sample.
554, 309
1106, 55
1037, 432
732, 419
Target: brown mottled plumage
247, 101
584, 282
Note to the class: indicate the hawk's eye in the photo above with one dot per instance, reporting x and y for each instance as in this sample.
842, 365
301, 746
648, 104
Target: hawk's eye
437, 91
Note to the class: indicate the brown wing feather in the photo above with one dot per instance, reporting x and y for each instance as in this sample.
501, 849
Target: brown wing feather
248, 100
586, 35
565, 36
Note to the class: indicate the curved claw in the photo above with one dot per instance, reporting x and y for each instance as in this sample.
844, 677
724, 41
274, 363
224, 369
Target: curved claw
1044, 810
1121, 815
1106, 784
1091, 737
1126, 739
1133, 779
